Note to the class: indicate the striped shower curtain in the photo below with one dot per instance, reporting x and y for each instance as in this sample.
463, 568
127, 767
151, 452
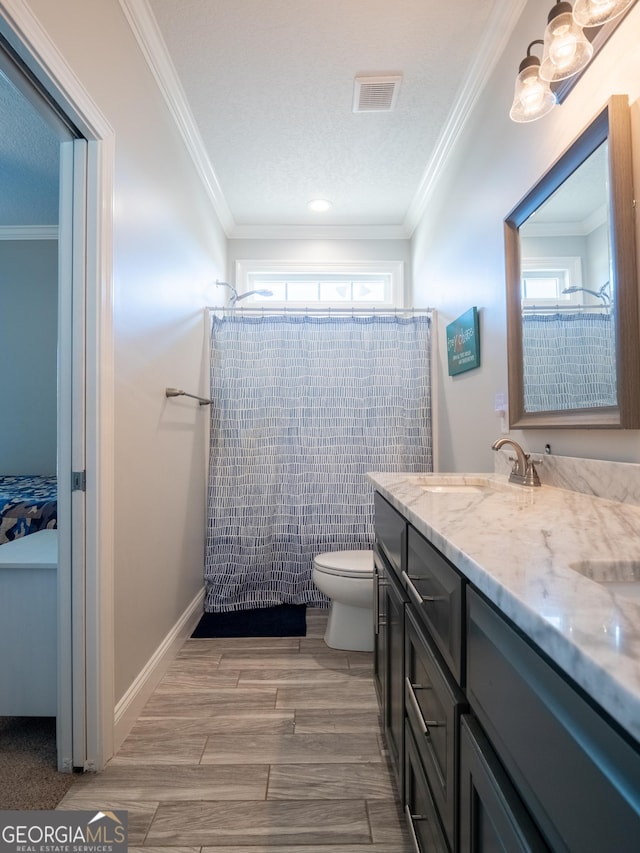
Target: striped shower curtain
303, 406
569, 361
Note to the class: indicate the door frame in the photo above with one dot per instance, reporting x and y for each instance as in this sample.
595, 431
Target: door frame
86, 638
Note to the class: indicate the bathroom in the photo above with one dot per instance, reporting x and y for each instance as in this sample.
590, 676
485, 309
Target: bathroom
168, 246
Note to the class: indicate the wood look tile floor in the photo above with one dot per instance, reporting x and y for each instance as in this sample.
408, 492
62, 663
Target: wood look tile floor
256, 746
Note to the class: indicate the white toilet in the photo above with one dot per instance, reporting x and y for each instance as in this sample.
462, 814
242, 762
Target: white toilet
346, 577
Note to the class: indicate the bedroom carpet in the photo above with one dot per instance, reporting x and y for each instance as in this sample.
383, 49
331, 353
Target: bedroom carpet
285, 620
28, 775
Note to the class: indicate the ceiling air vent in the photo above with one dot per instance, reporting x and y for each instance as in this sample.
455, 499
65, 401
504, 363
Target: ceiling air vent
376, 94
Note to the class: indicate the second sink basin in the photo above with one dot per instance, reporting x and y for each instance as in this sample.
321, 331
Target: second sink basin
621, 577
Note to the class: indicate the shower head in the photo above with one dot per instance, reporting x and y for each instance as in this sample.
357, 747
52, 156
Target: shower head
599, 294
251, 293
235, 297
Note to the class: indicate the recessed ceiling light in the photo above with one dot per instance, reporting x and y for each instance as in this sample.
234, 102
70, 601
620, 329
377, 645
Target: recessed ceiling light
319, 205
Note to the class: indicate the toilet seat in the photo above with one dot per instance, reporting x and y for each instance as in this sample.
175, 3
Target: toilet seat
346, 564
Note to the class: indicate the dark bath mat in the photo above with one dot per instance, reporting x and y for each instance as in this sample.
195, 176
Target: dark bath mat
285, 620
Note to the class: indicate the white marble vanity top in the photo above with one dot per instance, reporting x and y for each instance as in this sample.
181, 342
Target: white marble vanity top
517, 544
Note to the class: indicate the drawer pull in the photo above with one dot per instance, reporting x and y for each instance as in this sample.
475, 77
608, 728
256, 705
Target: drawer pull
424, 724
412, 832
413, 592
418, 598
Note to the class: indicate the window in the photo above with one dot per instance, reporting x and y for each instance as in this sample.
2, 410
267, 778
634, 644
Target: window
546, 281
335, 284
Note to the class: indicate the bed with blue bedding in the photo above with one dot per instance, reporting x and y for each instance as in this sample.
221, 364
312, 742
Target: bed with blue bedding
28, 503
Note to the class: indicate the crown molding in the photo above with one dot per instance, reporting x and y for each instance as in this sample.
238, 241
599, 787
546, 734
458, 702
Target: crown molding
28, 232
502, 22
319, 232
147, 34
26, 35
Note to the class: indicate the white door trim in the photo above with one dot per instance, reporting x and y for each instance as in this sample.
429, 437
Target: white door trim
22, 30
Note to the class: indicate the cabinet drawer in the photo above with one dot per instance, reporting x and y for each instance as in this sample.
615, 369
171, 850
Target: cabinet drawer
391, 532
433, 705
422, 820
492, 815
544, 731
437, 590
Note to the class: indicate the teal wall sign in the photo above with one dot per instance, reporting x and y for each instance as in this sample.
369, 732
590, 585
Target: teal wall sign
463, 342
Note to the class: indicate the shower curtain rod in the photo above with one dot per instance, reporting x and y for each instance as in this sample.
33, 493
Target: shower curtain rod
565, 309
367, 312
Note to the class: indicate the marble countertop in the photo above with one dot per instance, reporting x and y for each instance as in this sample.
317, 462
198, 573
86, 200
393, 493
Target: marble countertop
516, 545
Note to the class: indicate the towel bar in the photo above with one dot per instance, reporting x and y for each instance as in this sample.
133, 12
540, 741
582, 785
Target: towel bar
176, 392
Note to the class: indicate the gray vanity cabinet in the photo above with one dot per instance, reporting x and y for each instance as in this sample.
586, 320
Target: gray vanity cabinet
394, 664
389, 614
436, 590
492, 815
420, 811
496, 748
578, 776
380, 572
433, 703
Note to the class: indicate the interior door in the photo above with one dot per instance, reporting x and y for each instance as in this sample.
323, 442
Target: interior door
70, 605
71, 719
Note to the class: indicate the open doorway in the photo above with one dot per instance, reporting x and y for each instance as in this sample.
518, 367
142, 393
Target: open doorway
79, 145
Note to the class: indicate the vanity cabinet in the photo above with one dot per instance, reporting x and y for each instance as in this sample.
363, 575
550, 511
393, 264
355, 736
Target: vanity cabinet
420, 811
433, 704
578, 776
389, 614
436, 589
497, 749
492, 815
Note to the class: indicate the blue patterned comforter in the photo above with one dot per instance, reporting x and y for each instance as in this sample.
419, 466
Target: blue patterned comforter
28, 503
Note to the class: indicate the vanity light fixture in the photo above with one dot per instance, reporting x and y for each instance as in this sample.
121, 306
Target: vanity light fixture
566, 48
319, 205
533, 97
594, 13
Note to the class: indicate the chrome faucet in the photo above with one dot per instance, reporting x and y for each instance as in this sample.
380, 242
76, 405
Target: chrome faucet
524, 471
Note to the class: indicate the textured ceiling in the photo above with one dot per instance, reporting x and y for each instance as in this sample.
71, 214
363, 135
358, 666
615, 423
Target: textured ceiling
270, 86
267, 90
29, 158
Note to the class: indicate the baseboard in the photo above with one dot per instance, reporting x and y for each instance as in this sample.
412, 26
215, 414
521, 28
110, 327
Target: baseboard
128, 709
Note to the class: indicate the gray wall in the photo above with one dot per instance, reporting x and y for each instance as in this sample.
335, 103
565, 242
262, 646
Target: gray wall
458, 247
28, 344
168, 245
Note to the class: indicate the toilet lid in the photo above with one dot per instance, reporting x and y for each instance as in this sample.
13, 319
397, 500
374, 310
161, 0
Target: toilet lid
345, 563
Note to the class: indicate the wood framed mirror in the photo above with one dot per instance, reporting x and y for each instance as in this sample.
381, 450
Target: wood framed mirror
572, 290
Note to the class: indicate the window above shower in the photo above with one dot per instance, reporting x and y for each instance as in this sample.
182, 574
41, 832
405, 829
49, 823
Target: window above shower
328, 284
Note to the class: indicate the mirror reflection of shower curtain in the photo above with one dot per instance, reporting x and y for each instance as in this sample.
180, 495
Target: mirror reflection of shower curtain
569, 361
303, 406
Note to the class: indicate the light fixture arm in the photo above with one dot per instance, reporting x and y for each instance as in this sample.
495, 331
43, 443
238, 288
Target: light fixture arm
535, 41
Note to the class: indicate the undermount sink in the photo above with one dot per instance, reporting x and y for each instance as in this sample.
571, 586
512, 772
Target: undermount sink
453, 484
620, 577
